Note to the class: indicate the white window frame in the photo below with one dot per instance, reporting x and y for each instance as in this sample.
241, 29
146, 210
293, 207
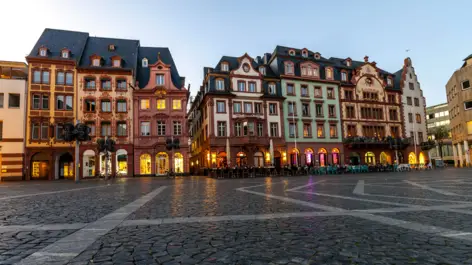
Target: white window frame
144, 62
43, 52
272, 89
117, 63
220, 84
65, 54
96, 62
262, 70
224, 67
145, 128
160, 81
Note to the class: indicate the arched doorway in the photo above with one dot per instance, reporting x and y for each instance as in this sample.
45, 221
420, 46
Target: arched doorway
122, 162
221, 159
277, 159
40, 166
258, 159
294, 157
323, 157
145, 164
412, 159
88, 164
105, 163
369, 158
178, 163
162, 163
66, 166
354, 158
335, 156
241, 159
309, 157
422, 158
385, 159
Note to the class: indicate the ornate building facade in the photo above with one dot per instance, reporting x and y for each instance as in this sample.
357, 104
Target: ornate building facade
236, 117
311, 113
160, 100
52, 102
105, 99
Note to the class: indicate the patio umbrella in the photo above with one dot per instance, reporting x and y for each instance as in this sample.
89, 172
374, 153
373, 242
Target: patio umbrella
271, 151
228, 153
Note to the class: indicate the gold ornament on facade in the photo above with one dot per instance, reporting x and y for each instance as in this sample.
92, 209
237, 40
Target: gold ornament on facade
160, 91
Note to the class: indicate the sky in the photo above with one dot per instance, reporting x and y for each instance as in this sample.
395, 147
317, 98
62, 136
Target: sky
198, 33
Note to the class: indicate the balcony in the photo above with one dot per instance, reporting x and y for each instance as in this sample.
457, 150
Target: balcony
377, 142
250, 140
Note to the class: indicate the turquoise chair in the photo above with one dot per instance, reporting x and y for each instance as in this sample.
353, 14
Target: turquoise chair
322, 170
364, 168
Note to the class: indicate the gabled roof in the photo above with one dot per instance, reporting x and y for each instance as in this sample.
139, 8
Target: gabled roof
150, 53
282, 50
55, 40
126, 49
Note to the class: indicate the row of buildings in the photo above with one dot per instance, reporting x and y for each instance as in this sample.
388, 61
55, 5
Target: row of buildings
291, 106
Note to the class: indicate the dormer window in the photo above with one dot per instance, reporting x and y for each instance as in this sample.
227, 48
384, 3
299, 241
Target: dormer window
96, 62
272, 88
317, 55
262, 70
145, 62
348, 63
329, 73
65, 54
224, 67
160, 80
304, 53
289, 68
111, 47
343, 76
43, 52
116, 63
291, 52
389, 81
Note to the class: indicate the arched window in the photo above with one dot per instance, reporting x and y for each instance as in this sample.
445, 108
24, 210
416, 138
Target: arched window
329, 73
291, 52
304, 53
308, 156
178, 163
335, 156
323, 157
369, 158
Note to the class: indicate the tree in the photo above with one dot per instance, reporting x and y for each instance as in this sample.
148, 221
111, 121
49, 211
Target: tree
440, 134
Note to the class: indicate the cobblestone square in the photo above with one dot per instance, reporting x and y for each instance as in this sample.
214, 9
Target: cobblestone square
418, 217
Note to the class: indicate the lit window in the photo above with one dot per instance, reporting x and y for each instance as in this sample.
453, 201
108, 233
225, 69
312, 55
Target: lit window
96, 62
144, 104
176, 104
116, 63
161, 104
145, 62
65, 54
160, 80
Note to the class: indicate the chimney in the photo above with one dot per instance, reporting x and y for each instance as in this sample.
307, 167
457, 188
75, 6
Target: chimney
258, 60
366, 59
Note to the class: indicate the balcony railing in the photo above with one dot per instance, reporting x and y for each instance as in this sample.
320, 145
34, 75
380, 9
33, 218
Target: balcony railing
385, 142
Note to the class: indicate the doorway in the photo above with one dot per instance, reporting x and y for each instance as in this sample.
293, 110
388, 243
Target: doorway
66, 166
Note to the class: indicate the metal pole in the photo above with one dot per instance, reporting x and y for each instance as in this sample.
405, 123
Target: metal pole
106, 158
77, 165
173, 162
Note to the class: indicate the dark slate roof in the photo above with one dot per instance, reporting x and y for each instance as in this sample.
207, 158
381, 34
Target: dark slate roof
151, 54
55, 40
126, 49
282, 50
397, 79
468, 57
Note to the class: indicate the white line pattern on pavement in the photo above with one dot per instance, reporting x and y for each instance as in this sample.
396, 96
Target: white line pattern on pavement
307, 185
55, 192
429, 188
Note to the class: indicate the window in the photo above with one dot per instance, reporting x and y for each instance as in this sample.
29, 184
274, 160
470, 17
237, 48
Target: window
106, 129
106, 106
39, 101
220, 107
417, 102
59, 131
145, 128
220, 84
320, 130
262, 70
160, 80
272, 88
91, 125
121, 105
221, 129
351, 130
121, 84
274, 129
319, 110
35, 131
373, 131
318, 93
465, 84
393, 114
161, 128
304, 54
288, 68
37, 76
36, 101
412, 87
116, 63
248, 128
348, 94
329, 73
43, 52
258, 108
418, 118
389, 81
144, 103
44, 131
333, 131
89, 83
305, 109
96, 62
344, 76
121, 129
290, 89
331, 111
272, 108
394, 131
237, 128
176, 104
252, 87
291, 108
304, 90
391, 98
306, 130
247, 107
372, 113
60, 78
350, 113
420, 137
237, 107
370, 96
144, 62
260, 129
291, 130
241, 86
468, 105
330, 92
105, 84
410, 117
291, 53
61, 101
408, 101
161, 104
177, 128
224, 67
45, 77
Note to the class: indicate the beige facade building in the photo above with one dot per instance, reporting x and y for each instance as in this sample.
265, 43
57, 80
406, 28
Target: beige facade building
459, 99
13, 77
